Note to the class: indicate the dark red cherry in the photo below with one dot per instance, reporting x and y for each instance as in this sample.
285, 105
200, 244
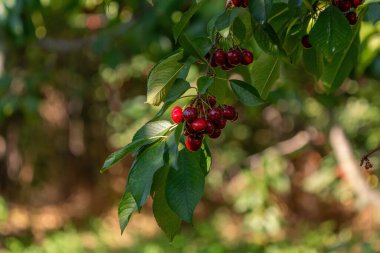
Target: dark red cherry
233, 56
213, 63
247, 57
220, 124
220, 57
237, 3
210, 128
214, 114
189, 114
356, 3
199, 125
244, 3
352, 17
211, 101
215, 134
177, 115
229, 112
306, 41
343, 5
193, 143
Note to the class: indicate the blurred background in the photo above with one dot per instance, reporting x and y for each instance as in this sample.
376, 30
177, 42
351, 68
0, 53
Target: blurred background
72, 90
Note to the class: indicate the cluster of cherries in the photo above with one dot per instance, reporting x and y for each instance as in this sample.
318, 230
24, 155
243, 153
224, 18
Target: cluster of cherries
233, 57
203, 116
240, 3
345, 6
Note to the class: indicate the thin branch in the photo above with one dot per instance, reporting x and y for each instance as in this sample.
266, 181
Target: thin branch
364, 158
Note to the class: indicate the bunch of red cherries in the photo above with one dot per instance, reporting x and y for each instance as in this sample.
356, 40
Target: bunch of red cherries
228, 60
346, 6
203, 117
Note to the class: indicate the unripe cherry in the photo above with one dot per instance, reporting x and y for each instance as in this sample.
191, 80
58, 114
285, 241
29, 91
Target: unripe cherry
193, 143
177, 115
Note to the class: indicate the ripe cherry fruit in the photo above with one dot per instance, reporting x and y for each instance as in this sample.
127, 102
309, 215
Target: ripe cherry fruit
193, 143
356, 3
211, 100
214, 114
210, 128
237, 3
229, 112
352, 17
190, 114
343, 5
244, 3
233, 56
247, 57
215, 134
177, 115
220, 57
199, 125
306, 41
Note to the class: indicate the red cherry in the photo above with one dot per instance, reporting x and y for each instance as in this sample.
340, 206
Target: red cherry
199, 125
229, 112
356, 3
213, 63
237, 3
190, 114
220, 57
233, 56
343, 5
306, 41
211, 100
247, 57
220, 124
352, 17
193, 143
214, 114
210, 128
244, 3
177, 115
215, 134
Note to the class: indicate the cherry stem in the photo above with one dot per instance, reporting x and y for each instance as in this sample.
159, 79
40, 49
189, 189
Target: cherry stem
368, 154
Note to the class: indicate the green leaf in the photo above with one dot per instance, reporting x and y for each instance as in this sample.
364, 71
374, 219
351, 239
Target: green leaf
246, 93
204, 83
152, 129
267, 39
342, 63
226, 19
220, 85
179, 87
185, 186
265, 71
162, 77
239, 29
198, 47
260, 9
127, 206
172, 146
206, 160
121, 153
313, 62
141, 175
168, 221
331, 33
180, 26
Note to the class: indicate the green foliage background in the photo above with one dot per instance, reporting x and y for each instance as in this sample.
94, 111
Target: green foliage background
72, 89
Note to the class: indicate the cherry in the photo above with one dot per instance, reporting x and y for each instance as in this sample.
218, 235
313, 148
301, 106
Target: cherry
210, 128
352, 17
220, 124
211, 100
233, 56
199, 125
237, 3
213, 63
343, 5
247, 57
215, 134
244, 3
306, 41
356, 3
220, 57
177, 115
193, 143
229, 112
190, 114
214, 114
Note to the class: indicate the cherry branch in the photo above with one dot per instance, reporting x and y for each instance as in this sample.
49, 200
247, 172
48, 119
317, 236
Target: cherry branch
365, 157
